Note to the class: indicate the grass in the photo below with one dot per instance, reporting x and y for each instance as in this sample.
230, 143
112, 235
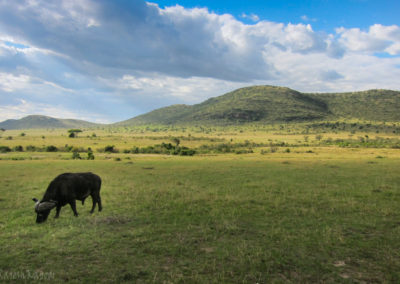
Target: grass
284, 217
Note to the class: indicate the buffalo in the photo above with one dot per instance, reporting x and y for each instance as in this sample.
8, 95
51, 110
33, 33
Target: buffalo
66, 189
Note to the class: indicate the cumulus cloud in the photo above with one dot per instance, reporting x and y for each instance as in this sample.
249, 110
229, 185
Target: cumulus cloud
114, 57
141, 36
378, 38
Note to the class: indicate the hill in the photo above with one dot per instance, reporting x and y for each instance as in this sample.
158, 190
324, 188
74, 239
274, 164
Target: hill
264, 104
270, 104
41, 121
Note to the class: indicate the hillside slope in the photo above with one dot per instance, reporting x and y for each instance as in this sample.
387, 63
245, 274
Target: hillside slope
41, 121
375, 105
264, 104
270, 104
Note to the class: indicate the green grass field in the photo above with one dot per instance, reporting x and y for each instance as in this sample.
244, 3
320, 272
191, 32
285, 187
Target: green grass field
329, 215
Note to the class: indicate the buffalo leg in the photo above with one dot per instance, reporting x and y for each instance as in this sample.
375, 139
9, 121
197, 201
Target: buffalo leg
96, 199
58, 209
94, 203
99, 201
73, 206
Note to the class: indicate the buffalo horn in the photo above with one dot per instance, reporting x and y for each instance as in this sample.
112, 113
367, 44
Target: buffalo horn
45, 205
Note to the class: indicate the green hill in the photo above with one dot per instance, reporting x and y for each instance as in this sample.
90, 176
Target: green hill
269, 104
374, 105
264, 104
41, 121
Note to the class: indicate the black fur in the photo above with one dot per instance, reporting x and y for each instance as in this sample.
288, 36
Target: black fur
69, 187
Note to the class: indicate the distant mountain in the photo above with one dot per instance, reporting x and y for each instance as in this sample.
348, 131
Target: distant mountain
41, 121
269, 104
264, 104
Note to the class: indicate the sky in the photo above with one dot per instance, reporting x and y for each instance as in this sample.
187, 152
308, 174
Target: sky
107, 61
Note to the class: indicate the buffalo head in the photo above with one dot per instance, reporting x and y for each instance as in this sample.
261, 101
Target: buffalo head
43, 208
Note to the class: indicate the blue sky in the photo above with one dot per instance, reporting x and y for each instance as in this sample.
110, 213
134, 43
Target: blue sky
324, 15
106, 61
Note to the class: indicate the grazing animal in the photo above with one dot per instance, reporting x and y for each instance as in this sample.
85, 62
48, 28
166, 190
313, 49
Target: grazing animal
66, 189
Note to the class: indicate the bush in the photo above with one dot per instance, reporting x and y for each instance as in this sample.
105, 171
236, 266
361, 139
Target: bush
73, 133
4, 149
273, 149
90, 155
78, 149
67, 148
244, 151
110, 149
186, 152
51, 148
75, 155
30, 148
18, 148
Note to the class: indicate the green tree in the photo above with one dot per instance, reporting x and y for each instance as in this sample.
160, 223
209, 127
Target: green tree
176, 141
75, 155
90, 155
73, 133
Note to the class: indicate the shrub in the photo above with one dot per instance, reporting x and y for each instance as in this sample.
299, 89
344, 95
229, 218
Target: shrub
4, 149
18, 148
67, 148
90, 155
243, 151
78, 149
73, 133
75, 155
30, 148
110, 149
51, 148
273, 149
186, 152
135, 150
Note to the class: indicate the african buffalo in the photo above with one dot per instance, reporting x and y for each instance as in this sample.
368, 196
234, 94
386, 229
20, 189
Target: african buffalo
67, 188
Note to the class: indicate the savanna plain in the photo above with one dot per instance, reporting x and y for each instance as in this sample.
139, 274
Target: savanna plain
200, 205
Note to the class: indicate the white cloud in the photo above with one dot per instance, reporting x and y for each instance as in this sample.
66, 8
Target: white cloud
253, 17
10, 83
189, 90
174, 41
378, 38
99, 56
307, 19
24, 108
